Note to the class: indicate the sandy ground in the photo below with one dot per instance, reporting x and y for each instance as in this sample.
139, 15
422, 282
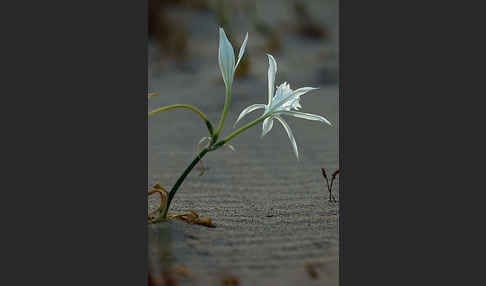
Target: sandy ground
272, 215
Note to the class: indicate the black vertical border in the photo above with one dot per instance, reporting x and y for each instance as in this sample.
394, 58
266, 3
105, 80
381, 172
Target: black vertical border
395, 78
78, 74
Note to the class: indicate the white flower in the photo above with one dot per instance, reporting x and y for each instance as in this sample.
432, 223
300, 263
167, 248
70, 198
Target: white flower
282, 103
226, 57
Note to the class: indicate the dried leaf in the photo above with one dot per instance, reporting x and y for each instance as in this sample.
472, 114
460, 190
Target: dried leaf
190, 217
324, 173
204, 221
201, 167
164, 195
335, 174
158, 186
332, 183
193, 217
327, 180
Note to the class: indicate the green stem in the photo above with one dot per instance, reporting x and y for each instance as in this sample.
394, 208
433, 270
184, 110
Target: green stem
237, 132
203, 116
223, 116
179, 183
194, 162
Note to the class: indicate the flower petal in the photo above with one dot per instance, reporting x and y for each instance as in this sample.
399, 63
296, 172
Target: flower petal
293, 95
267, 125
242, 50
291, 135
248, 110
302, 90
307, 116
272, 70
226, 58
282, 93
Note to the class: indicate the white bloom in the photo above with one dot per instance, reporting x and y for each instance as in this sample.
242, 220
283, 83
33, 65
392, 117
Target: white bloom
226, 57
282, 103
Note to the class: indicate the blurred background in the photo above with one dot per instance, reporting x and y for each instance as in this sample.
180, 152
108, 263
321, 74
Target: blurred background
301, 34
272, 212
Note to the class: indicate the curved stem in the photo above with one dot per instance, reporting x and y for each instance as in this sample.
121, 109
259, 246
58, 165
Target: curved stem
237, 132
179, 183
194, 162
223, 116
203, 116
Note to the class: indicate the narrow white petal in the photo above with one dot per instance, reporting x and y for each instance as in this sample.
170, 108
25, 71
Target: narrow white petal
226, 58
231, 147
291, 135
293, 95
307, 116
272, 71
302, 90
242, 50
204, 139
267, 126
248, 110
